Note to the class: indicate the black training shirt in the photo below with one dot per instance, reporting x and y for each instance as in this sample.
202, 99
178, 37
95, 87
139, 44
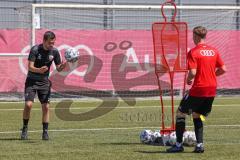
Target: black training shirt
42, 57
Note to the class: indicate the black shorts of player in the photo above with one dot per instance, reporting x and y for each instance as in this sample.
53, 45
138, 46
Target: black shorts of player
41, 87
201, 105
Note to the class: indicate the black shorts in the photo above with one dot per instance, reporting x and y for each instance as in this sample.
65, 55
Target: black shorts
41, 87
201, 105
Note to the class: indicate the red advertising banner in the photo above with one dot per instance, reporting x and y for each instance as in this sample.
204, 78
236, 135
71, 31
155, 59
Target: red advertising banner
109, 60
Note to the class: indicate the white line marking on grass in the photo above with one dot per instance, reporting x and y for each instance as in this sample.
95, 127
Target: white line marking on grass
133, 107
80, 129
104, 129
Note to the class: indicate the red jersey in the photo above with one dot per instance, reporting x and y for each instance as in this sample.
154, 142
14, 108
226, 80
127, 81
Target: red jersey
205, 59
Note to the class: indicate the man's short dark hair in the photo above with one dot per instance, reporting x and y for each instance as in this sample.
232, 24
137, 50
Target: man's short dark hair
49, 35
200, 31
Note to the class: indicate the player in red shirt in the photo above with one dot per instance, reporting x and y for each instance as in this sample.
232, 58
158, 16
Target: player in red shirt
204, 64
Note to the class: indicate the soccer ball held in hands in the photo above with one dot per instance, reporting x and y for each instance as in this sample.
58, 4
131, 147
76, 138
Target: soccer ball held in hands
71, 55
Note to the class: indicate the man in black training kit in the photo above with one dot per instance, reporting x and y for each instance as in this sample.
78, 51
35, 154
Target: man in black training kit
39, 61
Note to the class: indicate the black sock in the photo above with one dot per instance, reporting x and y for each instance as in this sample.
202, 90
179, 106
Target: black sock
180, 128
198, 126
25, 123
45, 126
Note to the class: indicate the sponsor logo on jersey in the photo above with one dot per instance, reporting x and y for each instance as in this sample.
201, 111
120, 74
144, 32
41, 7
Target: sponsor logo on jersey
207, 53
39, 56
50, 57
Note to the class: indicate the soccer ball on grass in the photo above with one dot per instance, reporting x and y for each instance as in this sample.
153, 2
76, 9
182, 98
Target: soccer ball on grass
189, 138
146, 136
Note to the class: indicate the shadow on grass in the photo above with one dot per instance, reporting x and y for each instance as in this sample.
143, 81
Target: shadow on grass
156, 152
10, 139
18, 139
121, 143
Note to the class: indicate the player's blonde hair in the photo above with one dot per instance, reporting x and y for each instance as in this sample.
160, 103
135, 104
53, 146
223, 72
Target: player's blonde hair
200, 31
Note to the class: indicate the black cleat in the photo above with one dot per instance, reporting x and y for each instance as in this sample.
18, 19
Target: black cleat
24, 135
198, 150
45, 135
175, 149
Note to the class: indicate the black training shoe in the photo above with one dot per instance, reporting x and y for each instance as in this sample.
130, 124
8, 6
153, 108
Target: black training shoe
24, 135
198, 150
175, 149
45, 135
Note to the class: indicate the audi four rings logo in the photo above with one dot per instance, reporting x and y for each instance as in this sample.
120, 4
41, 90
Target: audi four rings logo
207, 52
